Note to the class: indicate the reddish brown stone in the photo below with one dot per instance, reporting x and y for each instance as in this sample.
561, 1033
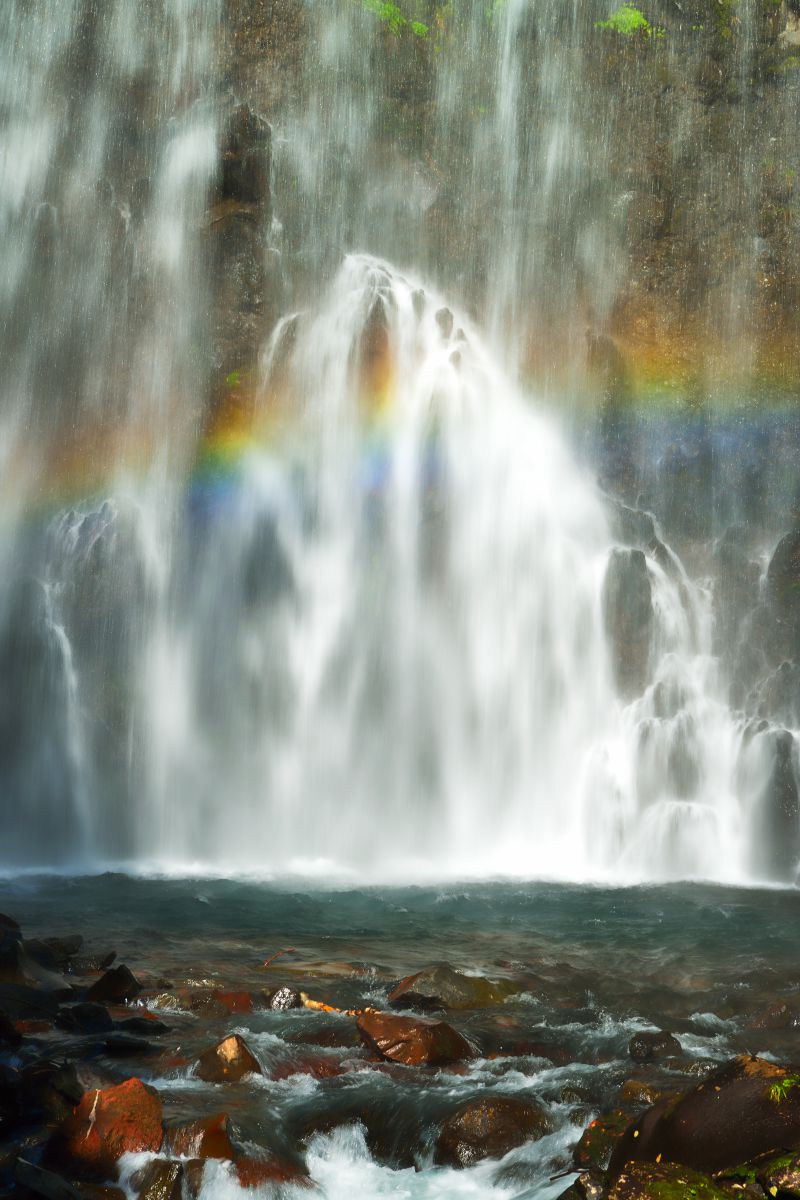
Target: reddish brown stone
228, 1061
207, 1138
413, 1041
254, 1172
108, 1123
317, 1065
236, 1002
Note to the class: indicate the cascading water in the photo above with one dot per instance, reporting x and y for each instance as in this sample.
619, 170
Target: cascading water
399, 628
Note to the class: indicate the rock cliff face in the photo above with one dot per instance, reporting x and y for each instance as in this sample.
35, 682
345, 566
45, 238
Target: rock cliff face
655, 180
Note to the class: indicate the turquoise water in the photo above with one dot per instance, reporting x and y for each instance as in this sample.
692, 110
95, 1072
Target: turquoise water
589, 967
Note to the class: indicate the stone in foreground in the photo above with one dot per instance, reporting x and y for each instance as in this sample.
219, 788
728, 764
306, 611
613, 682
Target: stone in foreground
413, 1041
107, 1123
664, 1181
489, 1128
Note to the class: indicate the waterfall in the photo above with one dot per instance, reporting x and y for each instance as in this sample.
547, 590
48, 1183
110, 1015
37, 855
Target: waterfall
301, 573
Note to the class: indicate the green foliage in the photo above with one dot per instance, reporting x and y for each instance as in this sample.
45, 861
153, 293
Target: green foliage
394, 18
779, 1091
232, 380
629, 21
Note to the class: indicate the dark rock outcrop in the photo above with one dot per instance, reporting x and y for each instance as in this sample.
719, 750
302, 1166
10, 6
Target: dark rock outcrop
742, 1111
117, 986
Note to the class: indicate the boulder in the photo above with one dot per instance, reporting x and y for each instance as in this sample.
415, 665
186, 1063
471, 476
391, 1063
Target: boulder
84, 1018
665, 1181
117, 986
107, 1123
628, 616
783, 577
413, 1041
50, 1089
160, 1179
258, 1172
441, 986
228, 1061
775, 833
245, 158
283, 999
9, 926
780, 1175
208, 1137
599, 1140
644, 1047
9, 1036
489, 1128
748, 1108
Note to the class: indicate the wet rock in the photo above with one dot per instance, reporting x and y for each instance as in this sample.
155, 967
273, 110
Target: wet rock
208, 1137
778, 696
783, 579
283, 999
123, 1045
50, 1089
341, 1035
55, 954
780, 1176
444, 319
106, 1124
267, 570
640, 1091
161, 1179
18, 967
775, 839
489, 1128
9, 1036
258, 1172
598, 1141
141, 1025
117, 986
645, 1181
630, 525
245, 158
8, 926
43, 1183
10, 1098
742, 1111
84, 1018
644, 1047
441, 986
413, 1041
227, 1062
778, 1015
628, 615
95, 960
588, 1186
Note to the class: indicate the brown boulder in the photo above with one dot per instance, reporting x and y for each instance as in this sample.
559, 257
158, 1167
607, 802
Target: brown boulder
255, 1172
159, 1180
444, 987
413, 1041
107, 1123
489, 1128
227, 1062
208, 1137
748, 1108
598, 1141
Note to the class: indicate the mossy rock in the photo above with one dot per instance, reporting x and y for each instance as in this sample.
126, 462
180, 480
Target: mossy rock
664, 1181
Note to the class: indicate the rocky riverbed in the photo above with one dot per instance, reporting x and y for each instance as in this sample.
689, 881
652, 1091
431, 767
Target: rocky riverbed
595, 1061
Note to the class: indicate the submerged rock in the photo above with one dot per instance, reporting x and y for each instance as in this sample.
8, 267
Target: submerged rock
746, 1109
489, 1128
413, 1041
442, 986
644, 1047
161, 1179
227, 1062
106, 1124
